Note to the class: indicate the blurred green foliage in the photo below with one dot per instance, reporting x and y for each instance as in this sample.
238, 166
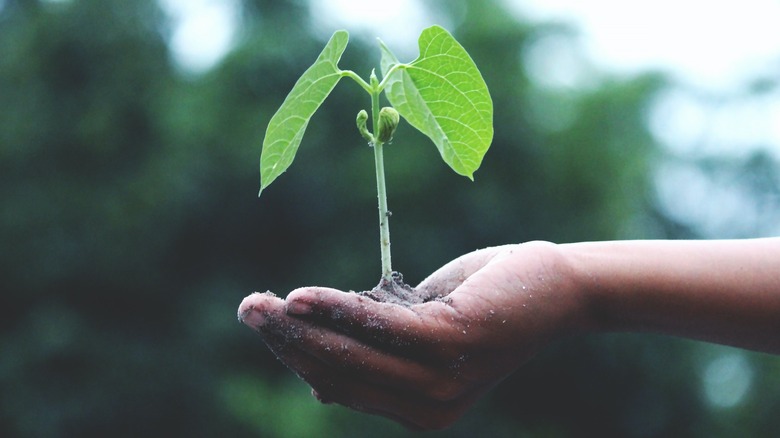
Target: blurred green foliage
130, 230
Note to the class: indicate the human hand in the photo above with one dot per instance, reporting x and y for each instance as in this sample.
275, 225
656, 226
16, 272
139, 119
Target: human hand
426, 364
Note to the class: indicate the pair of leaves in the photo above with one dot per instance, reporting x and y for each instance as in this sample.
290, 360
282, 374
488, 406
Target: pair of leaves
441, 93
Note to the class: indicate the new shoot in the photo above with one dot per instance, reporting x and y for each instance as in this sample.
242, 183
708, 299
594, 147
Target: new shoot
441, 93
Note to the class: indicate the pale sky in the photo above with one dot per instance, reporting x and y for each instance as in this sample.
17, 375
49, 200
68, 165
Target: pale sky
703, 41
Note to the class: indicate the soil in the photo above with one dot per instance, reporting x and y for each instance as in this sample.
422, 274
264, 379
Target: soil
397, 292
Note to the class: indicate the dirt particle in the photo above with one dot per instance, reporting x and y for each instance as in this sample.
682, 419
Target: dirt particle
395, 291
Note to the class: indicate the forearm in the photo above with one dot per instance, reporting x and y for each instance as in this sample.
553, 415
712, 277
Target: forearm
724, 291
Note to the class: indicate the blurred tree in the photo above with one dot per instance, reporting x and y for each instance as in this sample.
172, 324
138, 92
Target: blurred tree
131, 229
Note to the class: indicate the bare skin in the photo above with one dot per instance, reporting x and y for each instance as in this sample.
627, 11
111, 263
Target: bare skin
425, 365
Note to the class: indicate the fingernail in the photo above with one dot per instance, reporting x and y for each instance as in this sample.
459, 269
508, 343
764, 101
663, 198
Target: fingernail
298, 308
252, 318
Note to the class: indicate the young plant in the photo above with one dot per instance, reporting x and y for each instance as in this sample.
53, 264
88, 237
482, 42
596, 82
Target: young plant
441, 93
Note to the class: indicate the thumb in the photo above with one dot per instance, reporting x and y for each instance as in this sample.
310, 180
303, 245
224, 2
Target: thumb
450, 276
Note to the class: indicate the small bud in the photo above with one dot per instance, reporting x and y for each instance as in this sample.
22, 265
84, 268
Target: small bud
388, 121
362, 117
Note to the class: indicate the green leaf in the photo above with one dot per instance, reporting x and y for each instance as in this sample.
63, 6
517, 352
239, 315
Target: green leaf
444, 96
286, 128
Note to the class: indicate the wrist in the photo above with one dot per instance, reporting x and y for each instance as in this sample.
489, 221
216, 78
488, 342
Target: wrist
582, 262
563, 284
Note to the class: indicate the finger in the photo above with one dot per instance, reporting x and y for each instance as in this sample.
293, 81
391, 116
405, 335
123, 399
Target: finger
265, 313
331, 385
340, 370
335, 385
254, 308
433, 378
391, 326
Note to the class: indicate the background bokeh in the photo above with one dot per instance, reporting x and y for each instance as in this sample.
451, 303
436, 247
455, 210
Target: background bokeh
130, 229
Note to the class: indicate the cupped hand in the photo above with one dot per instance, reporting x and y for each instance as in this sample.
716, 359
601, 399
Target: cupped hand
426, 364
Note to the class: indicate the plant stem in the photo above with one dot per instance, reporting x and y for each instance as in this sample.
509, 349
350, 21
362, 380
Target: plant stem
384, 215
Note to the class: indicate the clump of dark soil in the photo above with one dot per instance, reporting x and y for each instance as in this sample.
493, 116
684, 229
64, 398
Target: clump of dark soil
396, 292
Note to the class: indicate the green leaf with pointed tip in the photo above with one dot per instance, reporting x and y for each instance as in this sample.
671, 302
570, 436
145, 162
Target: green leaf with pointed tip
444, 96
286, 128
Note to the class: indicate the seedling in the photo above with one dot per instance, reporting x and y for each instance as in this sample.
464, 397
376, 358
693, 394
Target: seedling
441, 93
